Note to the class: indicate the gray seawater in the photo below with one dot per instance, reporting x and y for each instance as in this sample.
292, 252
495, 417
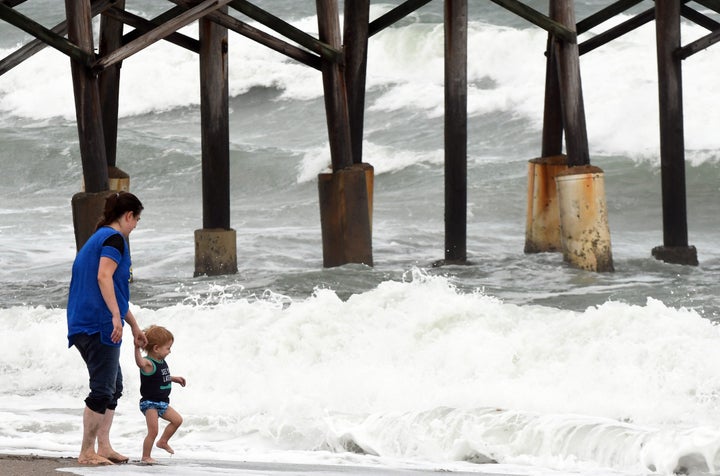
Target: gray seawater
524, 358
276, 140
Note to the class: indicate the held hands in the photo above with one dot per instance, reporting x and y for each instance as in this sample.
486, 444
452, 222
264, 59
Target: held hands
139, 338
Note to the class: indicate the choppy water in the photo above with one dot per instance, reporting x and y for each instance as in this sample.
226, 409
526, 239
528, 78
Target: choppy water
516, 357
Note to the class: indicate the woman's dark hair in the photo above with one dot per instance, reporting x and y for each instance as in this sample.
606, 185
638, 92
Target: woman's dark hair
116, 205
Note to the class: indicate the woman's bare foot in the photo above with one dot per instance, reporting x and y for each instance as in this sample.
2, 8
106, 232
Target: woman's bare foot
164, 445
115, 457
148, 461
93, 459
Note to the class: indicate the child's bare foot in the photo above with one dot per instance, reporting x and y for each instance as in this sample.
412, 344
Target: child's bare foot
164, 445
148, 460
93, 458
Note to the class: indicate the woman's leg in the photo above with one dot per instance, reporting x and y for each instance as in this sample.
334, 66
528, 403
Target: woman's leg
102, 363
103, 438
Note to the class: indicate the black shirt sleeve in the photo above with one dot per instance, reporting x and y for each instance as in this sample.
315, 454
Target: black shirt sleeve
116, 241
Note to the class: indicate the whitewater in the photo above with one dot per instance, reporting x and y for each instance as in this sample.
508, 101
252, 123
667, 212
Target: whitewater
514, 364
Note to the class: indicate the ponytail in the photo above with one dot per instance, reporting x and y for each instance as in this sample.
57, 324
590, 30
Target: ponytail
116, 205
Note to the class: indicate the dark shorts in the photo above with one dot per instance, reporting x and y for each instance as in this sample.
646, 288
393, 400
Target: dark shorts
103, 364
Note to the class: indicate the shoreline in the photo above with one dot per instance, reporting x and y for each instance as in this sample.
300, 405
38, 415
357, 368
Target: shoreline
35, 465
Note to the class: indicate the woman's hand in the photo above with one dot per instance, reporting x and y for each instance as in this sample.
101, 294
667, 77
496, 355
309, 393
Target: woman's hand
117, 331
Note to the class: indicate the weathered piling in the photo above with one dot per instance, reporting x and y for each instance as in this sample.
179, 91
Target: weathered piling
345, 192
675, 247
456, 21
215, 248
584, 229
566, 196
345, 216
542, 226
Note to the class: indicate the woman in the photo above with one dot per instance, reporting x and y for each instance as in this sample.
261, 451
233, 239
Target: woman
98, 307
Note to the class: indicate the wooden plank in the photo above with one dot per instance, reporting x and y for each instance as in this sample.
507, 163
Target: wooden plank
259, 36
456, 37
605, 14
713, 5
357, 17
336, 106
617, 31
35, 46
159, 33
142, 25
46, 35
288, 31
536, 18
394, 15
699, 45
699, 19
12, 3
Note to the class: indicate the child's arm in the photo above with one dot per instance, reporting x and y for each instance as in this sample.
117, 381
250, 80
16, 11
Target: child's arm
180, 380
143, 364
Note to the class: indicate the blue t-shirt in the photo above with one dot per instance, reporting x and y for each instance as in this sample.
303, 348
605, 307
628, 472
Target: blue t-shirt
87, 312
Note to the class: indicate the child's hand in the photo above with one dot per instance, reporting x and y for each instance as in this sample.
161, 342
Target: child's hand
180, 380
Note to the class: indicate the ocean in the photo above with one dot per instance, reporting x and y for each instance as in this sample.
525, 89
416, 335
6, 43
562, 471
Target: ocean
514, 364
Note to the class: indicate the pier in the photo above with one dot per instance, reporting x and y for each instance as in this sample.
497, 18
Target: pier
566, 205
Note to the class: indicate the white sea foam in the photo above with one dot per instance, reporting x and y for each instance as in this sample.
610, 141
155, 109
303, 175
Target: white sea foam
411, 369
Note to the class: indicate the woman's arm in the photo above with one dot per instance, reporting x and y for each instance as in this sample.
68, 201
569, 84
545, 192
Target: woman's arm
107, 289
138, 335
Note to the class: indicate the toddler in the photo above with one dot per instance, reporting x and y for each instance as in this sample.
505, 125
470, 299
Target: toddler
155, 386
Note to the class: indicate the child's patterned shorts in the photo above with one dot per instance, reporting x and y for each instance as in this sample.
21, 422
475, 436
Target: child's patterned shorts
161, 407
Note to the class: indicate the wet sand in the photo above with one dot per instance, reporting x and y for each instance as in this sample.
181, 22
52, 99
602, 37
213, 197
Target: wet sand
32, 465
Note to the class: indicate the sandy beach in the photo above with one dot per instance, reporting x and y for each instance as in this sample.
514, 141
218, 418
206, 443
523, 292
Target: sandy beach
33, 465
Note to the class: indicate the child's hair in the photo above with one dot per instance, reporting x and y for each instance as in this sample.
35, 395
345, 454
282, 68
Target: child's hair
157, 335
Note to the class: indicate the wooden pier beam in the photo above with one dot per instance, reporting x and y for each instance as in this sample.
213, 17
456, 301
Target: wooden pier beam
573, 108
111, 32
675, 247
87, 206
344, 193
456, 21
336, 103
552, 132
215, 243
357, 18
